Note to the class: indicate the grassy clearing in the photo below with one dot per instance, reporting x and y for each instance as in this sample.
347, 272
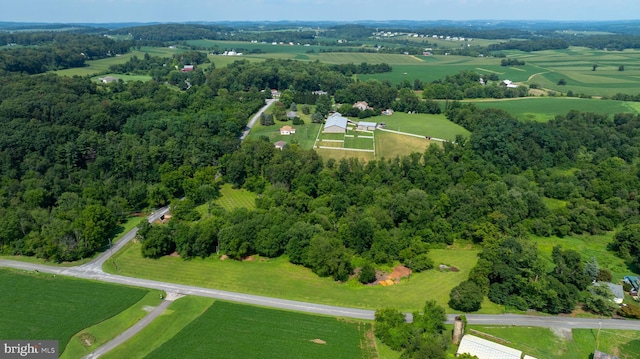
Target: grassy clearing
391, 145
89, 339
587, 246
543, 343
423, 124
177, 316
236, 198
304, 137
57, 307
281, 279
337, 155
545, 108
237, 331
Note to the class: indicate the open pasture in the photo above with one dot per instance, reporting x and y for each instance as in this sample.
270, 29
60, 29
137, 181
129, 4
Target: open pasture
391, 145
177, 316
43, 306
279, 278
237, 331
305, 135
95, 67
437, 126
545, 108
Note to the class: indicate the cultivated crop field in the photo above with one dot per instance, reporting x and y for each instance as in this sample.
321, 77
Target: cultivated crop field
545, 108
228, 330
42, 306
281, 279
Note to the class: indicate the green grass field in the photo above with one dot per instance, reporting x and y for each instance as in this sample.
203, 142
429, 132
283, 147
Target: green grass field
177, 316
236, 198
391, 145
281, 279
228, 330
588, 247
543, 343
422, 124
305, 134
546, 108
49, 307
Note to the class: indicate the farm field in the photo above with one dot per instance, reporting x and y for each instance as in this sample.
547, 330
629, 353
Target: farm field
57, 307
177, 316
391, 145
281, 279
237, 331
543, 343
545, 108
89, 339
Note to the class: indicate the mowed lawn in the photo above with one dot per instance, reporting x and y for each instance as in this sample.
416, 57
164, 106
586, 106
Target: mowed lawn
231, 198
228, 330
48, 307
543, 343
391, 145
437, 126
281, 279
545, 108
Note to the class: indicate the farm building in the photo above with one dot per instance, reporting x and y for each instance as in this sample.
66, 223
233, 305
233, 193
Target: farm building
280, 145
485, 349
335, 124
361, 105
633, 280
367, 126
509, 84
287, 130
187, 68
109, 79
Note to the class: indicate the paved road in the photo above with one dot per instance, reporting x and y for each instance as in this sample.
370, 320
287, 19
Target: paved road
504, 319
124, 336
255, 118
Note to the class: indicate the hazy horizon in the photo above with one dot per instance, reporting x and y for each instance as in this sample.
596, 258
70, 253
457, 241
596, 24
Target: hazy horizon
115, 11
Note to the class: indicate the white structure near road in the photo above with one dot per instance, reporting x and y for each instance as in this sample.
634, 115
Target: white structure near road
485, 349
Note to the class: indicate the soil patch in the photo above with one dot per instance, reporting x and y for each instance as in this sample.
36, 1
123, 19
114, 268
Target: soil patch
223, 257
174, 254
386, 279
87, 339
318, 341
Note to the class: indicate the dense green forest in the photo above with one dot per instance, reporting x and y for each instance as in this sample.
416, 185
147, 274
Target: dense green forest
38, 52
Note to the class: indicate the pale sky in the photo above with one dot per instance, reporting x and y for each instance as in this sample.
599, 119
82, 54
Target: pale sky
100, 11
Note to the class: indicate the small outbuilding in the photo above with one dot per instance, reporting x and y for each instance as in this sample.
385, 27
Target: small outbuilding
280, 145
367, 126
616, 290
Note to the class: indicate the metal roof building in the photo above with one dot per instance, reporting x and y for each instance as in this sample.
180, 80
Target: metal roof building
485, 349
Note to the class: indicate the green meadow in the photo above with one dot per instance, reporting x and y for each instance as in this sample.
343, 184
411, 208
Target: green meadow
545, 108
43, 306
281, 279
437, 126
238, 331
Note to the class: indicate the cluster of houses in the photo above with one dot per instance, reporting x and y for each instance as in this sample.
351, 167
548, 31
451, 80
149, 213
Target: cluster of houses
381, 34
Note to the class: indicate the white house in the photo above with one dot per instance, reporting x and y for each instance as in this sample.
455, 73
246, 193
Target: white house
287, 130
362, 105
335, 124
